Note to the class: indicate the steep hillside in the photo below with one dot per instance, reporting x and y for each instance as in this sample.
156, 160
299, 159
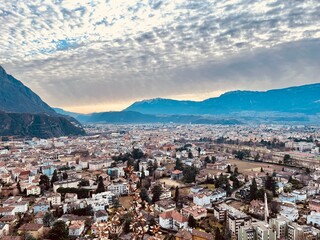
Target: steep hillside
36, 125
23, 113
16, 97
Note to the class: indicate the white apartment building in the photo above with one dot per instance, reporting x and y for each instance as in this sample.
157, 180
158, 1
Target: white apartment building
33, 190
69, 183
54, 199
119, 188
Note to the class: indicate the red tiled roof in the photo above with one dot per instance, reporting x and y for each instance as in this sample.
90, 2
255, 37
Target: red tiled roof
30, 227
202, 234
174, 215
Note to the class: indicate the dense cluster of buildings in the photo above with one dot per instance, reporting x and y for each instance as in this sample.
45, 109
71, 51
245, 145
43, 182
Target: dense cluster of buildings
31, 201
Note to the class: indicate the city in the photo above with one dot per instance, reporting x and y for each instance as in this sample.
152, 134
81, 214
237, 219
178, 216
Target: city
159, 120
186, 181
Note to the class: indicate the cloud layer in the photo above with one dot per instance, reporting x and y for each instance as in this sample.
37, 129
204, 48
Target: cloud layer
98, 55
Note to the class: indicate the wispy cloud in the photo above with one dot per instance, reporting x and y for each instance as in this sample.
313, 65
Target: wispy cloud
93, 52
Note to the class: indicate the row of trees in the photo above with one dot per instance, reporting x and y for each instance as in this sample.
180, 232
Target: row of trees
269, 188
46, 183
275, 143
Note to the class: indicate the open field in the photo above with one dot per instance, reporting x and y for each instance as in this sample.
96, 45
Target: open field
208, 186
125, 201
170, 183
246, 167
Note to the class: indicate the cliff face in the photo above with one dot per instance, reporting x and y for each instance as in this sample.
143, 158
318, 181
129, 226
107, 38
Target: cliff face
16, 97
23, 113
36, 125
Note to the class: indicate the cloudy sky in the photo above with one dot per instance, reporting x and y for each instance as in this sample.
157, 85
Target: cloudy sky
99, 55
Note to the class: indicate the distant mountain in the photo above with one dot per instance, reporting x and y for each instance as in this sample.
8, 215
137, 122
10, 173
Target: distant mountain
16, 97
67, 113
303, 99
130, 117
36, 125
23, 113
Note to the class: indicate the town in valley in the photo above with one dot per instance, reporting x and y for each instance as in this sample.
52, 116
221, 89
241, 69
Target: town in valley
163, 181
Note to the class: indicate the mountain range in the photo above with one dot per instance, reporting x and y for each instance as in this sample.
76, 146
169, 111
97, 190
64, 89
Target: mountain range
294, 104
23, 113
303, 99
131, 117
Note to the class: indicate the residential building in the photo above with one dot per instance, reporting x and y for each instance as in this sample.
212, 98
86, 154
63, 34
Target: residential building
31, 229
101, 216
76, 228
195, 211
4, 229
193, 234
173, 220
176, 175
41, 206
33, 190
69, 183
165, 205
280, 224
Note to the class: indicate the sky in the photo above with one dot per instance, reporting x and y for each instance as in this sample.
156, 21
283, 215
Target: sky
101, 55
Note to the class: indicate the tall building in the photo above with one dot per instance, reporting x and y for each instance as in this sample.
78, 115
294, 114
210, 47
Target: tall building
280, 225
257, 231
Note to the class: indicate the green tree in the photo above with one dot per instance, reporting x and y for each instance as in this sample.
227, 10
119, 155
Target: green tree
44, 181
229, 169
137, 153
236, 171
220, 181
192, 222
176, 194
19, 187
84, 182
65, 176
228, 188
48, 219
126, 219
143, 174
253, 190
235, 183
155, 165
54, 177
270, 184
179, 165
287, 159
100, 187
207, 159
59, 231
150, 167
217, 234
116, 203
29, 237
144, 195
189, 174
130, 162
137, 165
156, 193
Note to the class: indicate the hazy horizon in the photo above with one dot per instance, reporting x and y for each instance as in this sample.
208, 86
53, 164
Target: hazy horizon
97, 55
